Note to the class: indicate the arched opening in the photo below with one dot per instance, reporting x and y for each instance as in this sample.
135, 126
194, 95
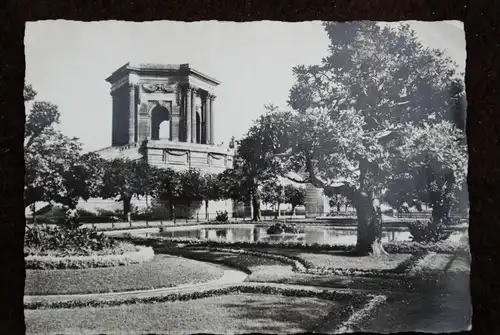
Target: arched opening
198, 128
160, 123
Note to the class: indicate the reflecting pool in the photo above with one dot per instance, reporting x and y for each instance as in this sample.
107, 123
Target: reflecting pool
254, 233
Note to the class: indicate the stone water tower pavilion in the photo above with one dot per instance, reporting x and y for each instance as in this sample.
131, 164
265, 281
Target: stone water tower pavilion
172, 108
168, 109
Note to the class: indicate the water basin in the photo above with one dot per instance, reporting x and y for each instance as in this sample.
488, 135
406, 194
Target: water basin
257, 233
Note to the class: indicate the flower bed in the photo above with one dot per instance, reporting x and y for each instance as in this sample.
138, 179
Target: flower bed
161, 271
182, 296
54, 261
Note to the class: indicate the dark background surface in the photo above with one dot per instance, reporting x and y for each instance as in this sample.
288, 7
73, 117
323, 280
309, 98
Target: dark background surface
481, 20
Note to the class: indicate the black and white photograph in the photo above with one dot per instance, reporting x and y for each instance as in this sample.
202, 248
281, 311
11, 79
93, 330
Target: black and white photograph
259, 177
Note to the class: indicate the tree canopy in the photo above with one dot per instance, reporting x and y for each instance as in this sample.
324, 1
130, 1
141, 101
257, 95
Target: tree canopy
358, 116
48, 153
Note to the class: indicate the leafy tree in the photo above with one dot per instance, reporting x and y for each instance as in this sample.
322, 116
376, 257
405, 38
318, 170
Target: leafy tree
83, 180
253, 165
436, 155
273, 193
190, 187
211, 189
125, 179
48, 154
337, 200
165, 186
351, 115
296, 196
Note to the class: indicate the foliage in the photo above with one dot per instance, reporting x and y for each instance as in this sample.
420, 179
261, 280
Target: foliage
253, 166
296, 196
82, 180
280, 228
116, 257
348, 132
165, 184
190, 186
338, 201
124, 178
272, 192
47, 159
212, 187
426, 232
434, 168
222, 216
55, 170
83, 241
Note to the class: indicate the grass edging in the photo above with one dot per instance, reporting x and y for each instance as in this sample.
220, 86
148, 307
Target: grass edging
36, 262
350, 324
260, 289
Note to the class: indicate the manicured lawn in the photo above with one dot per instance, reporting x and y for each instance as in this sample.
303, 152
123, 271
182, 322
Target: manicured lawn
432, 263
345, 261
237, 313
376, 285
162, 271
240, 261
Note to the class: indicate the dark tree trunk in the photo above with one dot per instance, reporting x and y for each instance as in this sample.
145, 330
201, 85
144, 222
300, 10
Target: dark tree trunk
206, 211
278, 212
369, 215
293, 209
255, 208
369, 218
126, 204
338, 207
440, 216
33, 212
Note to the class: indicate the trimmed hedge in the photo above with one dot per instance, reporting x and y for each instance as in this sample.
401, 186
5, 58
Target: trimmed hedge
258, 289
143, 254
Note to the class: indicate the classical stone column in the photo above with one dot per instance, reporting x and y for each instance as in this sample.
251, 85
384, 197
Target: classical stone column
188, 112
131, 114
192, 96
175, 124
211, 98
208, 138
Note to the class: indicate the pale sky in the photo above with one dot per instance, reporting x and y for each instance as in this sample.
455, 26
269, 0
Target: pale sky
67, 63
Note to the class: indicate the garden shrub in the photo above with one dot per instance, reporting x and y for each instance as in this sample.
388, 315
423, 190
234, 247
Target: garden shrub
100, 219
46, 262
81, 241
222, 216
280, 228
105, 212
427, 232
84, 212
